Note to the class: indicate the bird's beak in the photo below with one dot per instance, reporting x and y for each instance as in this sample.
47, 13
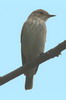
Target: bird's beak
51, 15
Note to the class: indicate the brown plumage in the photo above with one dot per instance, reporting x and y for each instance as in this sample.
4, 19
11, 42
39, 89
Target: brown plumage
33, 37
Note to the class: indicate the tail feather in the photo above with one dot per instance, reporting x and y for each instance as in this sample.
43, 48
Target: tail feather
29, 82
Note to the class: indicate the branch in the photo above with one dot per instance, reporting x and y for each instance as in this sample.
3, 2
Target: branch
38, 60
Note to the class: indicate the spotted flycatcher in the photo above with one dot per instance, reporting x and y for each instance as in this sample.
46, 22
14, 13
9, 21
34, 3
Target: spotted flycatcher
33, 37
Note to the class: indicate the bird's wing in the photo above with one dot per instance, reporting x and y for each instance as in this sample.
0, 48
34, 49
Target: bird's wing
24, 31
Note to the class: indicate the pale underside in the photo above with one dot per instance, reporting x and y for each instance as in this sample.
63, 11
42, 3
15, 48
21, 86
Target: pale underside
33, 39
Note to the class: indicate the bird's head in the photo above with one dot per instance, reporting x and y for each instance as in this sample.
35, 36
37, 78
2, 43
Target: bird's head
42, 14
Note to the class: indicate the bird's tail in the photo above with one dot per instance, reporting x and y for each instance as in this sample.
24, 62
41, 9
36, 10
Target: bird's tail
29, 82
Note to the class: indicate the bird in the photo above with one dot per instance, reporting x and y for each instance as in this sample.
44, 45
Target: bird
33, 38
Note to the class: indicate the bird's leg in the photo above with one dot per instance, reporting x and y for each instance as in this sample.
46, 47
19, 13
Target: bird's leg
41, 53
